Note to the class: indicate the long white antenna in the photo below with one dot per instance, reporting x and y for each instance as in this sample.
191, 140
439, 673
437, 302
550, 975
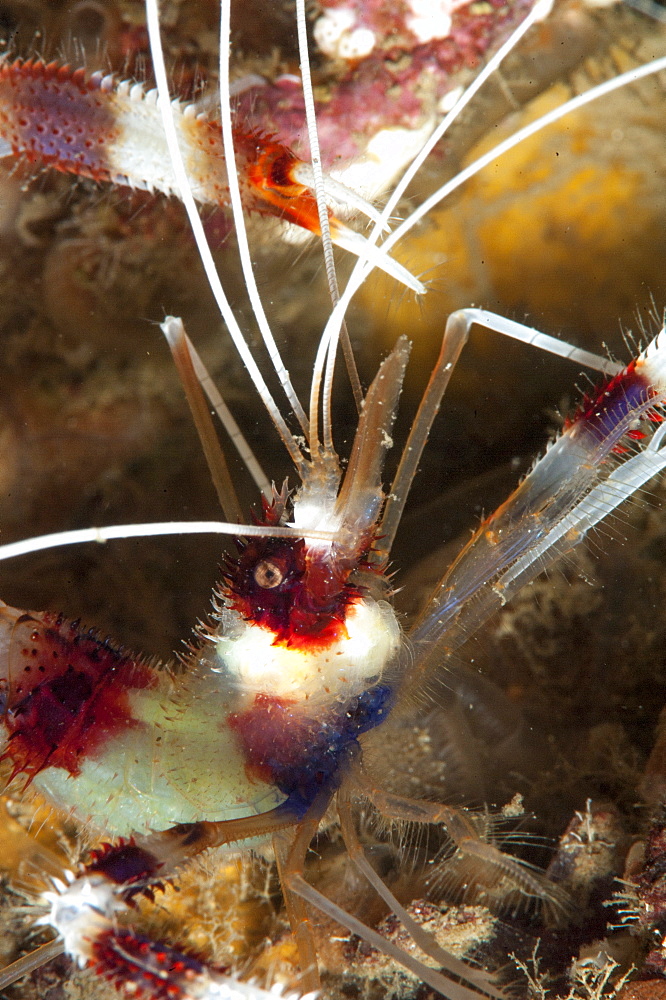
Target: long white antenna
540, 11
167, 111
79, 536
574, 104
327, 247
315, 152
362, 269
239, 220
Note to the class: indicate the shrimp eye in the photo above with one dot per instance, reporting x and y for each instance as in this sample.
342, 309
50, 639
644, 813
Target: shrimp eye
268, 575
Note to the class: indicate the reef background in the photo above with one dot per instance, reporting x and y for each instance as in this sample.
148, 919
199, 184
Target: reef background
567, 233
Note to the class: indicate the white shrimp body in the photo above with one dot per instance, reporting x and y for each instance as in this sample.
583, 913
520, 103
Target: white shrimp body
174, 749
253, 664
152, 756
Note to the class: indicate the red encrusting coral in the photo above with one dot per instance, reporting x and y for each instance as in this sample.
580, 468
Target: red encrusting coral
55, 115
398, 84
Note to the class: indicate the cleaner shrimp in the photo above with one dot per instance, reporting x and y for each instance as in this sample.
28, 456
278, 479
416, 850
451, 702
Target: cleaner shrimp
607, 453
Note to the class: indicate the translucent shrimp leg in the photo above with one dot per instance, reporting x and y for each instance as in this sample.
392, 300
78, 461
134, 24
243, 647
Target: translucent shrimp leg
83, 908
492, 865
455, 337
227, 420
290, 849
292, 857
425, 941
361, 269
607, 451
622, 484
441, 984
177, 339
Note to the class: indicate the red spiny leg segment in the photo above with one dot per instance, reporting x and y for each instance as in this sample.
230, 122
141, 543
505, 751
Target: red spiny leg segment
270, 179
629, 394
84, 913
150, 969
126, 864
67, 693
111, 131
54, 115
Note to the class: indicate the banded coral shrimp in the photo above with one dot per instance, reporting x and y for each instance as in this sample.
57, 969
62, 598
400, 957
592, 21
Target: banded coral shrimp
394, 362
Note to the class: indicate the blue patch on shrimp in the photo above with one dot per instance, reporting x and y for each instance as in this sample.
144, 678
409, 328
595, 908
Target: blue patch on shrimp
625, 395
303, 754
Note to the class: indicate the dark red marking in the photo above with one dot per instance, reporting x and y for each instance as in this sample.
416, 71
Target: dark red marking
128, 865
307, 610
274, 736
68, 694
604, 412
56, 115
151, 969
